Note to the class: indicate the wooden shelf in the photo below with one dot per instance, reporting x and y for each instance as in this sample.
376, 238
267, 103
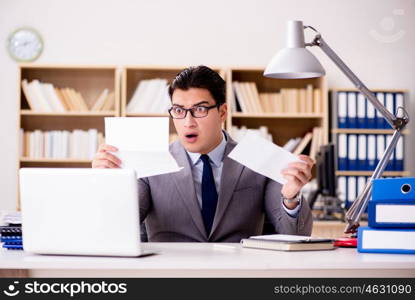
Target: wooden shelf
55, 160
282, 126
278, 116
366, 131
27, 112
146, 115
369, 173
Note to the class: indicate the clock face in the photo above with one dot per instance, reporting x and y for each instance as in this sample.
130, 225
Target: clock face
25, 44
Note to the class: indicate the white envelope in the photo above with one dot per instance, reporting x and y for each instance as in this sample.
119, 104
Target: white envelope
143, 144
262, 156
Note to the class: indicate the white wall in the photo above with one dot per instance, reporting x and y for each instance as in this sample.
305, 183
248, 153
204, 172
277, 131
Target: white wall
215, 32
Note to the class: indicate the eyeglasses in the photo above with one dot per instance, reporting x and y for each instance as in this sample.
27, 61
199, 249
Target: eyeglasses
199, 111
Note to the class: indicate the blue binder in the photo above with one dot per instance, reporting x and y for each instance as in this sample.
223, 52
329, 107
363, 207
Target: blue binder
386, 240
342, 163
380, 120
361, 111
342, 110
352, 150
399, 155
391, 164
362, 152
352, 110
400, 209
370, 115
386, 189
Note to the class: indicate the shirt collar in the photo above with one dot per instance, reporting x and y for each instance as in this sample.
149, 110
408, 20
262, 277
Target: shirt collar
216, 155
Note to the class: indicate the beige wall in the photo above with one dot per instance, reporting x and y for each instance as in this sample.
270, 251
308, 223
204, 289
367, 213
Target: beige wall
215, 32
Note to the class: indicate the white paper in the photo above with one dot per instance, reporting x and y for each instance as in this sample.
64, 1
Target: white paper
143, 144
262, 156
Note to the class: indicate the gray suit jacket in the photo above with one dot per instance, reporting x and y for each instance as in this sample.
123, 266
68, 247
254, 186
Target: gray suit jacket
171, 212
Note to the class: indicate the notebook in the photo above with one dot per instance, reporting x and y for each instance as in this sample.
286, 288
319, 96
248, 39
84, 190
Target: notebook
284, 242
80, 211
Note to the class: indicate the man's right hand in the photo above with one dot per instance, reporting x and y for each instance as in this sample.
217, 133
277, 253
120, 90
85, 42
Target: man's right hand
103, 159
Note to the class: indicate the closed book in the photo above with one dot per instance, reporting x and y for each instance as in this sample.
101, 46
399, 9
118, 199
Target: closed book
284, 242
393, 213
386, 240
386, 189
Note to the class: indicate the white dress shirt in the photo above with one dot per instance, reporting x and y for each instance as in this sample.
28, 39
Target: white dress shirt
216, 161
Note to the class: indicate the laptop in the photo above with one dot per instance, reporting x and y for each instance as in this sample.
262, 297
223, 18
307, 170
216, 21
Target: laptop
74, 211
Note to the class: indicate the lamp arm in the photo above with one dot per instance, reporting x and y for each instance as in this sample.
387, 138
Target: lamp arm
319, 41
398, 123
359, 205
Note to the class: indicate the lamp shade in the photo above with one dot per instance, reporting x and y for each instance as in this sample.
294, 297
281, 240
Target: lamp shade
294, 61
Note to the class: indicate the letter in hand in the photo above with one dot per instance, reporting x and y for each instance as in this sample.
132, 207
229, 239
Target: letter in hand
104, 159
298, 174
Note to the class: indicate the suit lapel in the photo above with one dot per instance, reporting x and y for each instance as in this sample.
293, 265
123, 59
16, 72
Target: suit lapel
185, 185
231, 172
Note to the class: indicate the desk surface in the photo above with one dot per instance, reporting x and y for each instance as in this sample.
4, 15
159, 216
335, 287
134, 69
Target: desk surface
214, 260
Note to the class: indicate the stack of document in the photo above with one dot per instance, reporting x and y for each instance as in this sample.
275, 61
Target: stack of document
391, 216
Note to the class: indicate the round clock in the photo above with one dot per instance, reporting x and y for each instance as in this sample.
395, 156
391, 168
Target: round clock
25, 44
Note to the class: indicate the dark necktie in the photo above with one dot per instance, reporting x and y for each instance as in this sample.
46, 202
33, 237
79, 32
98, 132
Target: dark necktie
209, 194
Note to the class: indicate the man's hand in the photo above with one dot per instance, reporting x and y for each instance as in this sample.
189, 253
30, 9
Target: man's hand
297, 174
103, 159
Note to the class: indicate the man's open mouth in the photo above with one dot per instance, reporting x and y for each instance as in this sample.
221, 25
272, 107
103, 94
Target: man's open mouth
191, 137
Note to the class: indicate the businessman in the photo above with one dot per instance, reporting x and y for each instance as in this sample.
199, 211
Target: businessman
213, 198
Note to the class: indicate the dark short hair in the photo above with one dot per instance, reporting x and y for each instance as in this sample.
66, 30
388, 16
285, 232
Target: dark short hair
200, 77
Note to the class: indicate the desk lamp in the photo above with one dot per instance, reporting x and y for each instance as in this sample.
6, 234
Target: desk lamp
296, 62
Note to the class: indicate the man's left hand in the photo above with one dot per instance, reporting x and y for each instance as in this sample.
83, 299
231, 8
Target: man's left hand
297, 174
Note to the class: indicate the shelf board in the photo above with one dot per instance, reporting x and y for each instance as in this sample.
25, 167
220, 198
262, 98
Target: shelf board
369, 173
67, 66
147, 115
28, 112
366, 131
372, 90
278, 115
55, 160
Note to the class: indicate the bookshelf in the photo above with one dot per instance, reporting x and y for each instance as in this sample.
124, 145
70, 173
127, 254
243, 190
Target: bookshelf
356, 107
89, 81
283, 126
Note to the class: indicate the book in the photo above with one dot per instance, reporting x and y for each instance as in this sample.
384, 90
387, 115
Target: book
31, 101
100, 101
284, 242
303, 143
386, 240
109, 102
